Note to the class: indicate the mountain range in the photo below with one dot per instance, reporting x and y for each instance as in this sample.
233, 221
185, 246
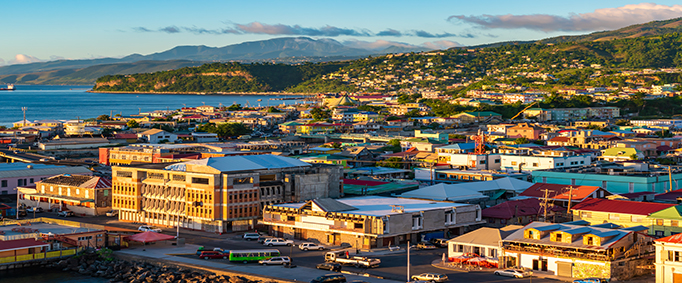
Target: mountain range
281, 50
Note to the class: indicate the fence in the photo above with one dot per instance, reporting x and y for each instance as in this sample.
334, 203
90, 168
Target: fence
39, 256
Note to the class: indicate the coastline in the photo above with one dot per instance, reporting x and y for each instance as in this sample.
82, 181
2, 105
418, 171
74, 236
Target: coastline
203, 93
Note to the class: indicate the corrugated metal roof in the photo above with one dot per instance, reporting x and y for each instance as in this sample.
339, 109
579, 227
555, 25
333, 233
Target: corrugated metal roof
44, 170
242, 163
674, 239
620, 206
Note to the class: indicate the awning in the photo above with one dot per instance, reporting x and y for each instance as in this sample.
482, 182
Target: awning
56, 197
149, 236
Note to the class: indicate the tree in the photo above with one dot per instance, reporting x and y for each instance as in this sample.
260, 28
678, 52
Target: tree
132, 124
234, 107
521, 140
103, 118
273, 110
457, 137
393, 162
319, 114
633, 156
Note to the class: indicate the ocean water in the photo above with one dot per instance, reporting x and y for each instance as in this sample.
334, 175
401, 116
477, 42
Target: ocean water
45, 275
71, 102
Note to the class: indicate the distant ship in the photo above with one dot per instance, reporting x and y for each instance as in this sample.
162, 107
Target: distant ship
9, 87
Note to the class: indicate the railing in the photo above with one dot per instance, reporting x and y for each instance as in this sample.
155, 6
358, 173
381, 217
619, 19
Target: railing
44, 255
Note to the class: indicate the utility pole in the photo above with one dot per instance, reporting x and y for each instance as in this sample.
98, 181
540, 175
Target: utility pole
670, 177
570, 197
408, 261
24, 110
544, 204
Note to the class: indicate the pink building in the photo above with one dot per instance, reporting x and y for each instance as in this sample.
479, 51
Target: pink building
13, 175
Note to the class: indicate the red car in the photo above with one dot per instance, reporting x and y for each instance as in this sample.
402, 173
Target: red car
212, 254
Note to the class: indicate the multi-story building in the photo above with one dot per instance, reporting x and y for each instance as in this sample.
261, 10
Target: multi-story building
669, 259
13, 175
84, 195
620, 212
616, 178
665, 222
217, 194
144, 153
525, 130
578, 251
533, 162
369, 221
572, 114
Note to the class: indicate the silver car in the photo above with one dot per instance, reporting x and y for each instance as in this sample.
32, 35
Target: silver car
517, 273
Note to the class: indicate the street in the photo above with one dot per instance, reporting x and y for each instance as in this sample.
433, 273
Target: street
393, 266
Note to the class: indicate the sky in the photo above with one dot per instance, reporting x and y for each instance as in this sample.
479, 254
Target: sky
34, 31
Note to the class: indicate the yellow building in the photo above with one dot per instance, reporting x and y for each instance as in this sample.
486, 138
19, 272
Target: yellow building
217, 194
620, 212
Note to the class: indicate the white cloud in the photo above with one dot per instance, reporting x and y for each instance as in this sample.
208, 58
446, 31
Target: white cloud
375, 45
441, 44
23, 59
600, 19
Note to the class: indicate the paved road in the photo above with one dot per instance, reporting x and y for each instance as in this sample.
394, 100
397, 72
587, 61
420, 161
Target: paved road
393, 266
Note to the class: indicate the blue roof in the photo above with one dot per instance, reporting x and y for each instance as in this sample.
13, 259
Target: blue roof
460, 146
604, 234
242, 163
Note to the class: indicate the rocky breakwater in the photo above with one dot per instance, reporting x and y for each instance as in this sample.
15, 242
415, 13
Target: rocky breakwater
118, 270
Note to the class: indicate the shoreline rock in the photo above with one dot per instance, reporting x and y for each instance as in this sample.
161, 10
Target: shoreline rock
119, 270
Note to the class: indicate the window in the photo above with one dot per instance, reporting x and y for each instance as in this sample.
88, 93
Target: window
497, 161
559, 164
614, 217
124, 174
631, 187
544, 179
449, 217
659, 222
357, 225
674, 223
417, 222
196, 180
3, 183
535, 164
558, 237
636, 218
384, 221
585, 214
590, 241
31, 180
603, 185
20, 182
573, 182
659, 234
513, 163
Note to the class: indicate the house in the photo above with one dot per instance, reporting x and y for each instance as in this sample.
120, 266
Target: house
578, 251
668, 259
666, 222
369, 221
620, 212
73, 143
157, 136
13, 175
539, 162
204, 137
484, 242
478, 117
289, 127
621, 154
84, 195
520, 212
525, 130
562, 194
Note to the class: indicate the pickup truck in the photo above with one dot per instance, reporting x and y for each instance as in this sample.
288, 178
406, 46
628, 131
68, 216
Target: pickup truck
358, 261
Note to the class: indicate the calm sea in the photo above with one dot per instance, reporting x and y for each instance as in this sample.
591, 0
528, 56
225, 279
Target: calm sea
70, 102
45, 275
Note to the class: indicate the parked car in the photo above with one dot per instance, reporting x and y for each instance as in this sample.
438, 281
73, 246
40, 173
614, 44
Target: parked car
34, 209
212, 254
329, 278
310, 246
276, 260
441, 243
331, 266
591, 280
147, 228
65, 213
518, 273
277, 242
433, 277
251, 236
112, 213
425, 246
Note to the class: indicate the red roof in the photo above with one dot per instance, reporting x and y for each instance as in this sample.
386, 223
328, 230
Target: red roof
21, 244
664, 148
673, 195
674, 239
556, 191
559, 139
508, 209
363, 182
621, 206
125, 136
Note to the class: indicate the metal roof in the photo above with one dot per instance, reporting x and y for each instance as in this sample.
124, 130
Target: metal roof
18, 170
242, 163
620, 206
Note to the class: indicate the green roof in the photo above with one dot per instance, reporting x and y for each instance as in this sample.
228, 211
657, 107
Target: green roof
483, 114
291, 123
674, 213
619, 151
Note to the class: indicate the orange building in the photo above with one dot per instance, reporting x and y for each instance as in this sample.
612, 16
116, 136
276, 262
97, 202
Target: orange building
86, 195
525, 130
216, 194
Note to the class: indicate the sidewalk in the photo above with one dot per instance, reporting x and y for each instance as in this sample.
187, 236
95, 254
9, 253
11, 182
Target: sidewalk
166, 251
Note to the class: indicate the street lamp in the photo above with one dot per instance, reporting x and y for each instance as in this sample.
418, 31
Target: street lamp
408, 261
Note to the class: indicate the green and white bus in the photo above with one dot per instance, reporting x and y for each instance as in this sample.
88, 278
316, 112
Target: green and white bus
252, 255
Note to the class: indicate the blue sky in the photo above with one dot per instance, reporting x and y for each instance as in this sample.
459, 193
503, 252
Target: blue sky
48, 30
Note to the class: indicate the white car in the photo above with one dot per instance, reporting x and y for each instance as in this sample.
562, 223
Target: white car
432, 277
112, 213
513, 273
251, 236
277, 242
146, 228
276, 260
310, 246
